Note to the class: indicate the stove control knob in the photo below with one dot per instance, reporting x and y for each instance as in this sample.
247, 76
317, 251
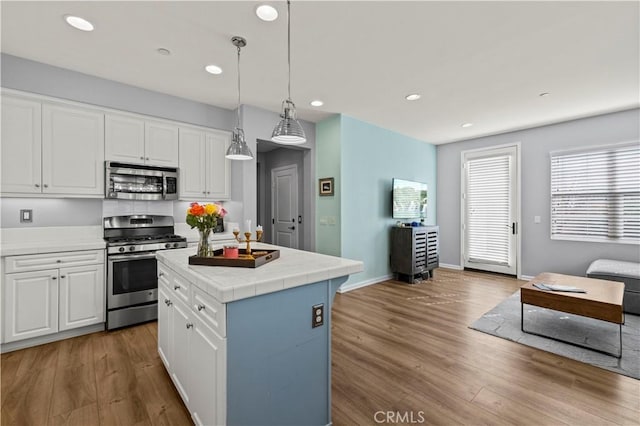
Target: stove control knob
121, 249
167, 245
132, 248
175, 245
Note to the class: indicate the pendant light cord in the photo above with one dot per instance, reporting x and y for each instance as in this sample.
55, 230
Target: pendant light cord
238, 109
289, 44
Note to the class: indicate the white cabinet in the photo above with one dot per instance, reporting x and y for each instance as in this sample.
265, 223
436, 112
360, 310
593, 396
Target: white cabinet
30, 304
53, 149
21, 146
204, 171
124, 139
193, 353
72, 150
47, 293
81, 296
131, 139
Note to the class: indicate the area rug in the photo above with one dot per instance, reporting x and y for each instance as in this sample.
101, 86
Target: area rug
504, 321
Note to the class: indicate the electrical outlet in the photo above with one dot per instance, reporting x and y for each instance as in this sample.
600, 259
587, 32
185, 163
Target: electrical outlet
317, 315
26, 216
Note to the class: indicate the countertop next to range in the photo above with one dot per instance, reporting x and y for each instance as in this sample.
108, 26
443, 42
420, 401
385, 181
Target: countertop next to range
19, 241
294, 268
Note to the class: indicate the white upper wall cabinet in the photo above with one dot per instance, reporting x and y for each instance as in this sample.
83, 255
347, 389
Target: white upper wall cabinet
72, 150
21, 146
51, 149
205, 173
124, 139
161, 144
131, 139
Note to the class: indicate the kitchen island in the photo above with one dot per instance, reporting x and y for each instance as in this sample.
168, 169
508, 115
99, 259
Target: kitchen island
248, 346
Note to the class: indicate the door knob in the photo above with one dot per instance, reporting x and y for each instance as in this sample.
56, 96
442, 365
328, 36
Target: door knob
292, 227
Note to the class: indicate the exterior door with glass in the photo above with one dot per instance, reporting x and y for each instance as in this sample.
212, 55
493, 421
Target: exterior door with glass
490, 209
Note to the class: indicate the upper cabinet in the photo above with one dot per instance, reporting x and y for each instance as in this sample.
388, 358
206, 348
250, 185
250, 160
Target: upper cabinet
205, 173
72, 150
50, 148
130, 139
21, 146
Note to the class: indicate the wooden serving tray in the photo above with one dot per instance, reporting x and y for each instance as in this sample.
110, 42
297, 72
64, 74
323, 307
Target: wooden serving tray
258, 258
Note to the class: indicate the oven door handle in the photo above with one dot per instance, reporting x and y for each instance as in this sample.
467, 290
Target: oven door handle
121, 257
164, 186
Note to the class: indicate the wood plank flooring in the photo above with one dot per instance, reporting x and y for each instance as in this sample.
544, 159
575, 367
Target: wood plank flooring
396, 348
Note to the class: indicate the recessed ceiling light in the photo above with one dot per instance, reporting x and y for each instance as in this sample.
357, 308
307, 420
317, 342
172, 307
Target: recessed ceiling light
317, 103
267, 12
467, 125
163, 51
544, 94
213, 69
412, 97
78, 23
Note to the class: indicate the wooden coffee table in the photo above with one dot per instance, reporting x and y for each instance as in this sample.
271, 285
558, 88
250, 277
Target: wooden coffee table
602, 301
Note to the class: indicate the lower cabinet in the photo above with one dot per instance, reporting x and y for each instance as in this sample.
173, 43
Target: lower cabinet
49, 300
193, 353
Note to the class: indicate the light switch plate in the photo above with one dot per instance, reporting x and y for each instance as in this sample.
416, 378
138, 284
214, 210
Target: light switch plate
26, 216
536, 219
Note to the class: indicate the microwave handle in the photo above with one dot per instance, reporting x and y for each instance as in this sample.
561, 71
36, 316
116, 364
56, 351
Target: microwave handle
164, 186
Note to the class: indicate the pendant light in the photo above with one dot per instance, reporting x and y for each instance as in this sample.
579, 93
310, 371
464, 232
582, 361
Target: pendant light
288, 131
238, 150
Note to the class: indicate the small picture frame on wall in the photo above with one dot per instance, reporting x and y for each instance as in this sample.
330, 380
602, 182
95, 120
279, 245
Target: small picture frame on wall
326, 187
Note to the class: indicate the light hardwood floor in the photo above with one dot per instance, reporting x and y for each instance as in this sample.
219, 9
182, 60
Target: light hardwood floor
396, 347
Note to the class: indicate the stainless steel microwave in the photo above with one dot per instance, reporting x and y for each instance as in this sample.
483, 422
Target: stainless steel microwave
140, 182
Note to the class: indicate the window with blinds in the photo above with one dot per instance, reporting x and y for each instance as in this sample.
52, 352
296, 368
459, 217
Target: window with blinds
595, 194
488, 199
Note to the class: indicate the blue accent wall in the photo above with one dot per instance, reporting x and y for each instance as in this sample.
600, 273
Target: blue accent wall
328, 161
369, 158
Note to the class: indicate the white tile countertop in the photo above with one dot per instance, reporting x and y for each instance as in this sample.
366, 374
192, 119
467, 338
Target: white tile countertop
294, 268
19, 241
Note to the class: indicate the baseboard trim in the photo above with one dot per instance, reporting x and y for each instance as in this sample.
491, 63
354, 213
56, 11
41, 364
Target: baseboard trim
525, 277
449, 266
41, 340
353, 286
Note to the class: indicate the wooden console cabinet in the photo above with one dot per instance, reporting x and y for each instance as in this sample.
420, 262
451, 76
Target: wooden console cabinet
415, 252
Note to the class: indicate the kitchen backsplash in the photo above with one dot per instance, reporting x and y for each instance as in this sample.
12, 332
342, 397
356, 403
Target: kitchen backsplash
89, 212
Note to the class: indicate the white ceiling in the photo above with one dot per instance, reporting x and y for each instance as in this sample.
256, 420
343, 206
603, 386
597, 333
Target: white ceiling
479, 62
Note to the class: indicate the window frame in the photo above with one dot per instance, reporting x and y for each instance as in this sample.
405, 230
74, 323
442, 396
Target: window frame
586, 150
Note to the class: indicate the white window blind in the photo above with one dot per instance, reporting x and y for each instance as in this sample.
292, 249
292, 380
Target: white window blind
488, 198
595, 194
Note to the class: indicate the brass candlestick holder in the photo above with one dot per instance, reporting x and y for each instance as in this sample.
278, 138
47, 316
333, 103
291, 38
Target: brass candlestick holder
247, 239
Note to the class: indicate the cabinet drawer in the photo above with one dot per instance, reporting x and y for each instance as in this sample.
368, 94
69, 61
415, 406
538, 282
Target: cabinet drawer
210, 311
179, 287
36, 262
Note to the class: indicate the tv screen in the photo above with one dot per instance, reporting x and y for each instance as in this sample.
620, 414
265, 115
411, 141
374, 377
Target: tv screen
409, 199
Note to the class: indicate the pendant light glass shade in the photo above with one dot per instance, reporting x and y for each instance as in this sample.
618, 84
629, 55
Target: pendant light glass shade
238, 150
288, 131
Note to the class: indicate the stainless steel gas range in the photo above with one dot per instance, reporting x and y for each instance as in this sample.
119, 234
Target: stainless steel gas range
132, 278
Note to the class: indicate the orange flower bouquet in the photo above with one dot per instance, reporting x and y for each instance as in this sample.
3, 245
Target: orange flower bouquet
205, 218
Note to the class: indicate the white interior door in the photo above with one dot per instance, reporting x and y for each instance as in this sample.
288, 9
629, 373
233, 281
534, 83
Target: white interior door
284, 206
490, 209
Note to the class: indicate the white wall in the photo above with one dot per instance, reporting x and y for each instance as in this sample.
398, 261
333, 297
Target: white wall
539, 252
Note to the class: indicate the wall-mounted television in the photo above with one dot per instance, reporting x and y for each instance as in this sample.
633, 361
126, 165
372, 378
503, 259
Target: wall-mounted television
409, 199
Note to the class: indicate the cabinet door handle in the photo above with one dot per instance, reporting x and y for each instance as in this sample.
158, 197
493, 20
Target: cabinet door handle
167, 302
54, 278
142, 158
58, 261
161, 274
37, 185
199, 307
189, 325
45, 185
208, 192
147, 158
62, 276
176, 287
204, 192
